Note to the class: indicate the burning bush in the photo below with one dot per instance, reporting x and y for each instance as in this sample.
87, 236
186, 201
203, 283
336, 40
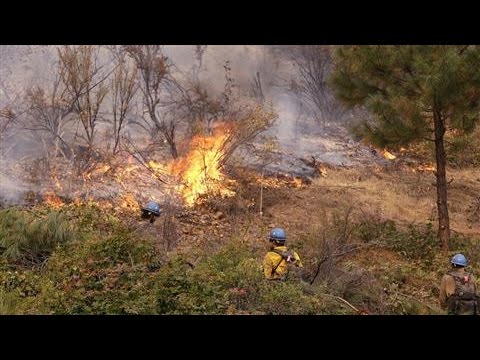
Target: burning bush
199, 172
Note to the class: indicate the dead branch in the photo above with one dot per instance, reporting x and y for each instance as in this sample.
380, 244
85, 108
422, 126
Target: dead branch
343, 301
346, 302
154, 69
139, 155
415, 299
124, 88
80, 74
314, 63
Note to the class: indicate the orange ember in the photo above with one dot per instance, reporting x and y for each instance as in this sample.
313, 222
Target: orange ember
425, 167
388, 155
52, 200
128, 202
322, 171
194, 175
296, 182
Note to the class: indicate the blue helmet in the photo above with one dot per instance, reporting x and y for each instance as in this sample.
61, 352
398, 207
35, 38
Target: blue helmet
459, 259
150, 211
152, 207
277, 234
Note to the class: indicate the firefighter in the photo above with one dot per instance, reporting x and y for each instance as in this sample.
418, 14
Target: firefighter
279, 258
458, 291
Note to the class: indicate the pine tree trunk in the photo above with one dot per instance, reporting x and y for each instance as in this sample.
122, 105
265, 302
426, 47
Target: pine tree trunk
442, 205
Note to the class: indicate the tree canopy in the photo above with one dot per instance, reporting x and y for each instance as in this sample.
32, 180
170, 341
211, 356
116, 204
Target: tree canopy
404, 85
414, 92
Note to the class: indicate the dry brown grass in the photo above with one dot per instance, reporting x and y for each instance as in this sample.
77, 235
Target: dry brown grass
396, 193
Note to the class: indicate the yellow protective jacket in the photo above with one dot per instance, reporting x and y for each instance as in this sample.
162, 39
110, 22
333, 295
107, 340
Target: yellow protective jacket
275, 267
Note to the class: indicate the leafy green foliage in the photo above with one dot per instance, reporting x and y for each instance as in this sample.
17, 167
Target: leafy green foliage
231, 282
28, 239
404, 86
108, 275
110, 269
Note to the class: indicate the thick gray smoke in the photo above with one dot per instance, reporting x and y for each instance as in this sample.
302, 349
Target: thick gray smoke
11, 190
297, 132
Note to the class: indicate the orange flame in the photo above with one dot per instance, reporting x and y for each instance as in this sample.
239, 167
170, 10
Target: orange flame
128, 202
322, 171
388, 155
52, 200
200, 169
424, 167
296, 182
194, 175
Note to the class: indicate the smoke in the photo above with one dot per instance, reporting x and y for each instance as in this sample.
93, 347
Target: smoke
244, 60
11, 190
23, 66
15, 146
286, 127
296, 130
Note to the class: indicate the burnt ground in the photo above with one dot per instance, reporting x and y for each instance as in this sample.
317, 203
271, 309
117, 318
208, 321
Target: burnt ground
401, 190
399, 193
320, 176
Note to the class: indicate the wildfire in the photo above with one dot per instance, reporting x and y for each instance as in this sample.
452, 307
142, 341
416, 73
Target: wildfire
192, 176
426, 168
128, 202
388, 155
199, 170
296, 182
52, 200
322, 171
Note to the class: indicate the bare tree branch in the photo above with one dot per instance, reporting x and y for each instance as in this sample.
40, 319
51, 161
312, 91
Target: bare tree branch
153, 67
124, 88
80, 74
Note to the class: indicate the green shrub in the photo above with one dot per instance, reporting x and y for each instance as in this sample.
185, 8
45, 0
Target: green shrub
469, 246
217, 282
369, 230
120, 247
463, 151
110, 269
231, 282
416, 241
30, 240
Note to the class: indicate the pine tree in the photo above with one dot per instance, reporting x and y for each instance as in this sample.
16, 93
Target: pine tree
416, 93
